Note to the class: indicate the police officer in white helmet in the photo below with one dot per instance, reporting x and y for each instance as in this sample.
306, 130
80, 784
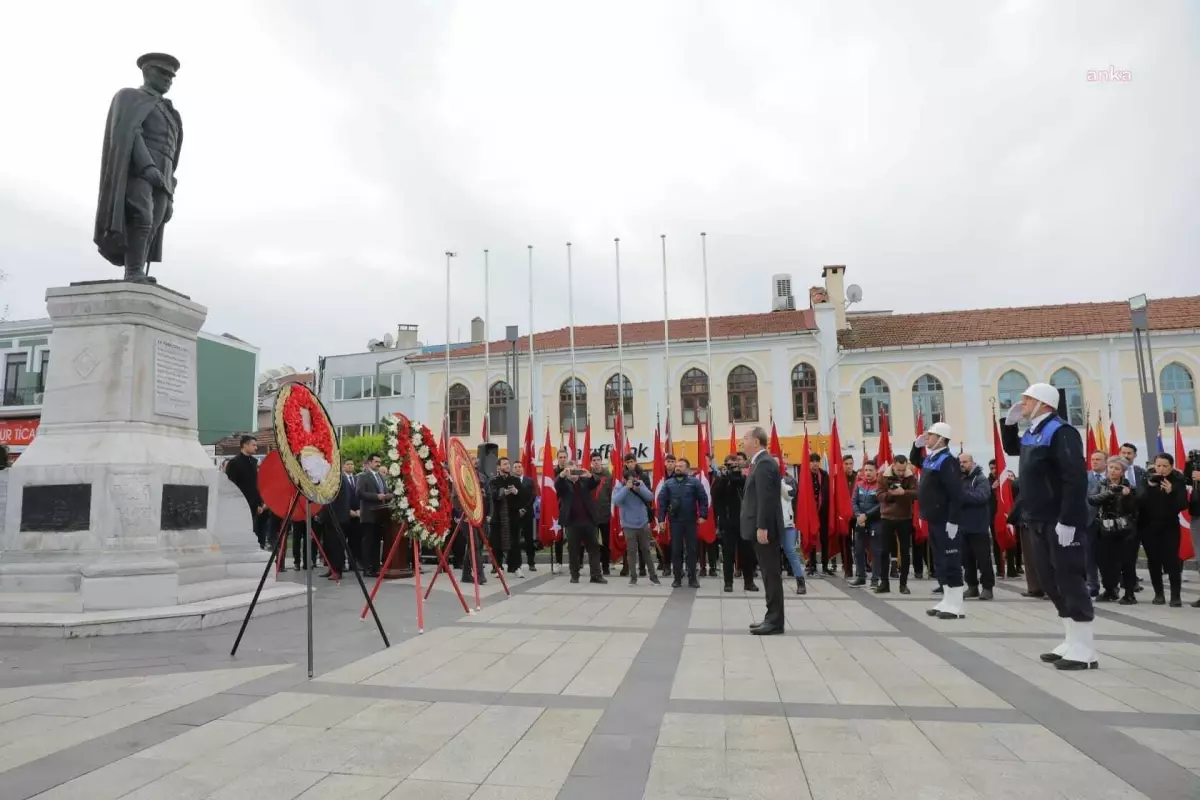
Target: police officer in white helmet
940, 496
1053, 484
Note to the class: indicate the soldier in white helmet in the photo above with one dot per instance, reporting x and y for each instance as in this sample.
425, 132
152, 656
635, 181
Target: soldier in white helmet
1053, 484
940, 495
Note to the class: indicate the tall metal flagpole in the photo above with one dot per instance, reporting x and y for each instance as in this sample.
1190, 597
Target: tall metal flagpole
487, 355
571, 321
532, 380
620, 353
707, 342
446, 407
666, 331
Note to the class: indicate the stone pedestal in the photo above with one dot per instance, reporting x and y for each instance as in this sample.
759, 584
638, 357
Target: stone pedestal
115, 505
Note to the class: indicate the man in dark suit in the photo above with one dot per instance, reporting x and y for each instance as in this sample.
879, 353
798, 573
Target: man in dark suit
577, 513
372, 511
242, 469
529, 492
762, 523
345, 510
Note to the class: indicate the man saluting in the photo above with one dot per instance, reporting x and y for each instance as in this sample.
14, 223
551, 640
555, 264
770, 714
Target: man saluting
1053, 489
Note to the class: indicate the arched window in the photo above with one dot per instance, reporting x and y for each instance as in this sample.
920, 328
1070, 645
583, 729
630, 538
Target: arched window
1067, 380
693, 396
1178, 391
874, 397
614, 393
498, 397
460, 410
928, 400
743, 395
572, 404
1008, 391
804, 392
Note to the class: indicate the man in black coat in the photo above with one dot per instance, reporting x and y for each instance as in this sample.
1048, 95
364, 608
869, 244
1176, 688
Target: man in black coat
577, 513
1053, 483
508, 498
529, 493
762, 523
727, 492
242, 469
344, 509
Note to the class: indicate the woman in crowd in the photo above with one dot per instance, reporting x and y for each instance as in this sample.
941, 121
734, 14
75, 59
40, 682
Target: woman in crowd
1116, 504
787, 490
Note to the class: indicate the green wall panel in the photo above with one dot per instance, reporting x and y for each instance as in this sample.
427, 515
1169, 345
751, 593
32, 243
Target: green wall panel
226, 388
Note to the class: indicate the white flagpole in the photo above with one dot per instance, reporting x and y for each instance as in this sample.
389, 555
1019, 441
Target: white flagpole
707, 338
620, 353
487, 355
571, 320
532, 379
446, 411
666, 330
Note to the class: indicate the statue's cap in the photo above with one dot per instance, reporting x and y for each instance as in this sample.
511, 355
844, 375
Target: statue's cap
162, 60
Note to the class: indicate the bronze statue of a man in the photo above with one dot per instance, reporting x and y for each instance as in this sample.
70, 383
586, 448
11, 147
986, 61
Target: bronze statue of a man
142, 140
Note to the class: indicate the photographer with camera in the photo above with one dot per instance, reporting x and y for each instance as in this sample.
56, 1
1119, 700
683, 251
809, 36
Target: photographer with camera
577, 513
975, 523
897, 491
1116, 506
632, 498
727, 492
1192, 471
1164, 496
681, 500
602, 498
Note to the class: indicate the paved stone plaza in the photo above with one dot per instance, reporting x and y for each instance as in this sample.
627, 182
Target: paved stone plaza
611, 691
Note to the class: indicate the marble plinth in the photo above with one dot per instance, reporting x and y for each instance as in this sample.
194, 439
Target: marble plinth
115, 505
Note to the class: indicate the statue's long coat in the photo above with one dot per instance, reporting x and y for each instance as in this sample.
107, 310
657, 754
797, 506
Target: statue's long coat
128, 110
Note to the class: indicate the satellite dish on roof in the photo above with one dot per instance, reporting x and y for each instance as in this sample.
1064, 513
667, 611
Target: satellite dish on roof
388, 340
372, 344
854, 293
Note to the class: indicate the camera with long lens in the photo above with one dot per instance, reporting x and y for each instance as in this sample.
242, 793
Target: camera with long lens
1193, 463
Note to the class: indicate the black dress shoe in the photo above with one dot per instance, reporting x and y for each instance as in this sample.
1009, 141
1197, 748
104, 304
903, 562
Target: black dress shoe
729, 587
1050, 658
755, 625
763, 630
693, 583
751, 587
326, 574
599, 579
1075, 666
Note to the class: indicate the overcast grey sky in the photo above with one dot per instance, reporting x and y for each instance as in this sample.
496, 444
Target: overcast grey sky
953, 154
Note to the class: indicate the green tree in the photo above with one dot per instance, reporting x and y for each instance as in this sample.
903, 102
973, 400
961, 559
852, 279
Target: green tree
359, 448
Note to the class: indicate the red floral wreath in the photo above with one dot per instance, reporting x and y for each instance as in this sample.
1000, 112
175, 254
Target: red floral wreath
418, 480
293, 423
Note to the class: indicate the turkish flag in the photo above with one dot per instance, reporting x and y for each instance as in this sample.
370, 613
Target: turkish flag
920, 526
808, 515
1005, 538
528, 457
839, 493
1091, 447
662, 531
707, 531
773, 447
1186, 548
885, 442
1114, 444
733, 442
549, 530
586, 458
616, 532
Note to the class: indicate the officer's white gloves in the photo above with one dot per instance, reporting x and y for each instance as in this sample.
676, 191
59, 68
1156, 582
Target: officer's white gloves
1066, 534
952, 530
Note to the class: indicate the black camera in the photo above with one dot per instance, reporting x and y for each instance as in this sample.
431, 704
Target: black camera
1193, 463
895, 483
1154, 479
630, 474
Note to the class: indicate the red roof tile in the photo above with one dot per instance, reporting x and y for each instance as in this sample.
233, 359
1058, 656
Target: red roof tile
1000, 324
633, 333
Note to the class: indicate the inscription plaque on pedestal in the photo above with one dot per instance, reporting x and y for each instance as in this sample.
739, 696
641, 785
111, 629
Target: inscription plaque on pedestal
174, 394
57, 508
131, 499
184, 508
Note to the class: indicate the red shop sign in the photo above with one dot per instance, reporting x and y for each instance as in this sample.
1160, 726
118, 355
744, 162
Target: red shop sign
18, 432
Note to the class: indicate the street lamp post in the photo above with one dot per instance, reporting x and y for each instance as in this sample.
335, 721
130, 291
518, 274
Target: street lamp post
379, 364
1147, 384
514, 398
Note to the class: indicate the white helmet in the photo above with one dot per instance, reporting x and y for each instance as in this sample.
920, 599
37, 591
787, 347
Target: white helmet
940, 429
1043, 393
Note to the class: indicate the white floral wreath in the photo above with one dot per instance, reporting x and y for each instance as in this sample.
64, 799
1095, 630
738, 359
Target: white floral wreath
426, 520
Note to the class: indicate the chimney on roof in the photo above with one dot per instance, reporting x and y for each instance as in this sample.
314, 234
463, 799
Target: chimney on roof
477, 329
406, 337
781, 293
835, 290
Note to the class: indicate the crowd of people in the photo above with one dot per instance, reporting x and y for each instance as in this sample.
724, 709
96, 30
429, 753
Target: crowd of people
925, 513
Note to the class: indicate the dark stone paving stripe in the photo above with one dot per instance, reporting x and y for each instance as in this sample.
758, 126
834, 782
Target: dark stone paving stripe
755, 708
487, 698
615, 762
29, 780
1154, 775
1105, 611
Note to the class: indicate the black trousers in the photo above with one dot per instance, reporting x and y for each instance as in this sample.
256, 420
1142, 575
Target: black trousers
977, 559
920, 557
684, 544
299, 534
823, 539
372, 543
712, 555
899, 533
581, 539
527, 538
772, 578
1161, 543
947, 555
605, 547
733, 544
333, 545
1062, 571
515, 546
1117, 556
558, 550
